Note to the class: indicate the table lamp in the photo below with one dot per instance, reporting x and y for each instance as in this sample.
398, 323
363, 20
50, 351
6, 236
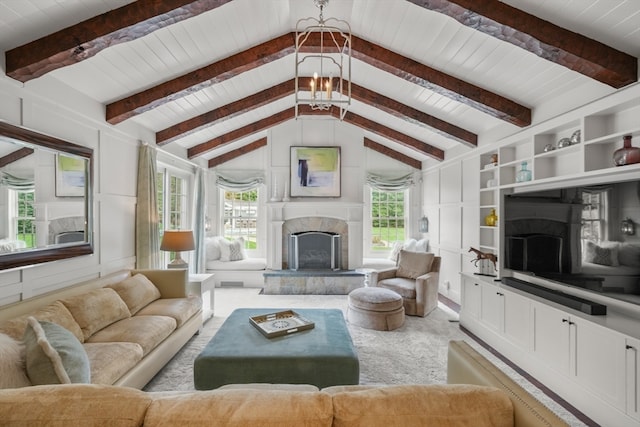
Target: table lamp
177, 241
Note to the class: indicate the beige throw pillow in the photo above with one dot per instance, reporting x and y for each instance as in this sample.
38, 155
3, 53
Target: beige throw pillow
96, 309
12, 369
137, 292
412, 265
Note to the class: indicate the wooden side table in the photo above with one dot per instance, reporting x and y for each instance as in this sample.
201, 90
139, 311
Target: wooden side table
203, 286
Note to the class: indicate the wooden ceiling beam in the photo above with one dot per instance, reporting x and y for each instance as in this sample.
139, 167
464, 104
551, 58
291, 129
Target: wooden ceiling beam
411, 115
281, 90
84, 40
392, 134
226, 112
234, 135
289, 114
262, 142
542, 38
15, 156
377, 56
200, 79
382, 149
441, 83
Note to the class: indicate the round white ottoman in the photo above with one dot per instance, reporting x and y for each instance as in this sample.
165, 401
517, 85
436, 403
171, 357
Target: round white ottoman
375, 308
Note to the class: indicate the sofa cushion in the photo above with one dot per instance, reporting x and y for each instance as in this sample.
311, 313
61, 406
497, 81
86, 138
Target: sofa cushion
181, 309
55, 312
137, 292
54, 355
12, 370
110, 361
74, 405
242, 408
148, 331
412, 265
422, 405
96, 309
406, 288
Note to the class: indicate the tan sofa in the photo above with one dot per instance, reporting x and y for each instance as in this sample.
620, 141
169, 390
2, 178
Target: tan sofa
497, 402
129, 325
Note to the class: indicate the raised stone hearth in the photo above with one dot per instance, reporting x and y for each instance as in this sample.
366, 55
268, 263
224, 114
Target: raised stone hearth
314, 282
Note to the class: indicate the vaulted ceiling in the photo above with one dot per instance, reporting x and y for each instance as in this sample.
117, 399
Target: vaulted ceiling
429, 77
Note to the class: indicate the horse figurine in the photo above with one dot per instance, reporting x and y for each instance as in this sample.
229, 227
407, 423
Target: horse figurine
483, 255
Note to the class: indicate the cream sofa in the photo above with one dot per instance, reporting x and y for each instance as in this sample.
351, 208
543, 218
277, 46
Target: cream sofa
490, 399
129, 325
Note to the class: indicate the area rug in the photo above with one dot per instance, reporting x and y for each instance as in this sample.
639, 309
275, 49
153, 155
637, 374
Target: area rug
416, 353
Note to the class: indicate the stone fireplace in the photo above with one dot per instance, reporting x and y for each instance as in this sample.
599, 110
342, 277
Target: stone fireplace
342, 218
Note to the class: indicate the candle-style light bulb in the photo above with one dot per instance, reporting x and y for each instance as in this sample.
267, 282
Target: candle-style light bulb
314, 85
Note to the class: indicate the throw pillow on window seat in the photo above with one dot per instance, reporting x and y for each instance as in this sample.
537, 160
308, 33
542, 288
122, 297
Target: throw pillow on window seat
232, 250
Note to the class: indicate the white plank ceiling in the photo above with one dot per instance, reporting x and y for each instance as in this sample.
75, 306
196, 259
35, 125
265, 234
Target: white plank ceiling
425, 36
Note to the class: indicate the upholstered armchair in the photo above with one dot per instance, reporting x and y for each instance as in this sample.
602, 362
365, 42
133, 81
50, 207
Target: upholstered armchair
415, 279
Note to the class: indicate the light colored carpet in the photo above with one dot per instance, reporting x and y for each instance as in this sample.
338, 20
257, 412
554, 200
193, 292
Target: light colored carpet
416, 353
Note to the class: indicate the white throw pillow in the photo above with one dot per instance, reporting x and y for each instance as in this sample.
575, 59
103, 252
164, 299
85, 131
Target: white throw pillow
232, 251
212, 248
603, 254
12, 364
422, 245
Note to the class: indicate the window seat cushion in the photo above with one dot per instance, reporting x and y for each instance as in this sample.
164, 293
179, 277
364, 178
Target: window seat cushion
247, 264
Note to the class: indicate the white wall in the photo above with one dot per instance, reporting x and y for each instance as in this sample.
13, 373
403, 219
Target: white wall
356, 160
46, 107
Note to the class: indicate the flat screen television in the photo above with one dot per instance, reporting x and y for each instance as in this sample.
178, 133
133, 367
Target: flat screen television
573, 237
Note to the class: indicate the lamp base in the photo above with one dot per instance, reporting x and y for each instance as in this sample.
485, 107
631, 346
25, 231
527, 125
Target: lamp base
178, 263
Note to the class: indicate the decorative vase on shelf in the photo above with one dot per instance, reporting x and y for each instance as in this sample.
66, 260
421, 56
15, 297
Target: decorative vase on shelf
524, 174
628, 154
492, 219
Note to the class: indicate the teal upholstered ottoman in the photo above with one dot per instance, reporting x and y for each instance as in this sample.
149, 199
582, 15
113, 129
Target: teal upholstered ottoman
240, 354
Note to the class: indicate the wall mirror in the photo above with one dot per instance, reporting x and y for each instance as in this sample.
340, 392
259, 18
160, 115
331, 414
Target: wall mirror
45, 198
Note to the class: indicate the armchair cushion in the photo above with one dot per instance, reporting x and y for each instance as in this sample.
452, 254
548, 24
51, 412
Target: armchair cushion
412, 265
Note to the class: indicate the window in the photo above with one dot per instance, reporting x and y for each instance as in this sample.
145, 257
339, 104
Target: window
594, 215
23, 224
387, 218
173, 200
240, 216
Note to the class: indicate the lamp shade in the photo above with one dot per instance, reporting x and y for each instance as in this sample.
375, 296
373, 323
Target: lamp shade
177, 241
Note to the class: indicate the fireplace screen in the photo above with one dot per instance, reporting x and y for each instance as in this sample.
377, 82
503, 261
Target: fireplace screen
314, 250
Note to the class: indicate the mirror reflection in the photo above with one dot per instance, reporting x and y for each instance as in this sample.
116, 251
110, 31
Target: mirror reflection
44, 196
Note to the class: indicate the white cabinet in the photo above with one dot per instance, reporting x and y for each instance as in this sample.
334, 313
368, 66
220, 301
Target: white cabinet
517, 319
492, 307
505, 313
632, 364
599, 362
471, 298
551, 337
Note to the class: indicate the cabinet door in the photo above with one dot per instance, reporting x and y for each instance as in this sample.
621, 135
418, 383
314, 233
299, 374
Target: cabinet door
632, 354
517, 319
492, 307
471, 298
599, 362
551, 337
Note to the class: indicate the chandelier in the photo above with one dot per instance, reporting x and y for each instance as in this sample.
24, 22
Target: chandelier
323, 63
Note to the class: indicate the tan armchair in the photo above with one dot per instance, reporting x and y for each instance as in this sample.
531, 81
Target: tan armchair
415, 279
